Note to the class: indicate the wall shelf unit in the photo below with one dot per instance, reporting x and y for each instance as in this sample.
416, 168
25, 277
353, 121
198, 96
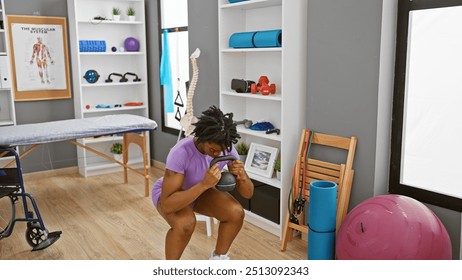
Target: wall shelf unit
113, 95
285, 67
7, 109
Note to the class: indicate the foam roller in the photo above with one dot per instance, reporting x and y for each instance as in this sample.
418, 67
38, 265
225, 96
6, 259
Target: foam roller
323, 206
322, 220
321, 245
268, 38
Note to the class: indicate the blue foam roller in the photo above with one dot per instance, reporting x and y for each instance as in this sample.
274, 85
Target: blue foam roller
321, 245
241, 40
235, 1
268, 38
323, 206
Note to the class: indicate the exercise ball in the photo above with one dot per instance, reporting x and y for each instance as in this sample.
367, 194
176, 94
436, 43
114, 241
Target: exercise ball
392, 227
131, 44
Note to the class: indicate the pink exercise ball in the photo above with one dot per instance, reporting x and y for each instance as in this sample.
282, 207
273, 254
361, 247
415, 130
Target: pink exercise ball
131, 44
392, 227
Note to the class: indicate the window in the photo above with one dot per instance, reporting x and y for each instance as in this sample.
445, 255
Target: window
426, 159
174, 68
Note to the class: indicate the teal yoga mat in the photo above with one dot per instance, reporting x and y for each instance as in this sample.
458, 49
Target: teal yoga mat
268, 38
242, 40
321, 245
256, 39
323, 206
322, 220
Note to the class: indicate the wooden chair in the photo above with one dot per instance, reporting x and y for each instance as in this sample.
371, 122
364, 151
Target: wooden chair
308, 169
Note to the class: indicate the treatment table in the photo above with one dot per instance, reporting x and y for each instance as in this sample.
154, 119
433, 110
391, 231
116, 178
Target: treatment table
133, 128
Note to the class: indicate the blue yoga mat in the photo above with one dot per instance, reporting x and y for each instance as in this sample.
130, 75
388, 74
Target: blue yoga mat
235, 1
321, 220
268, 38
323, 206
241, 40
321, 245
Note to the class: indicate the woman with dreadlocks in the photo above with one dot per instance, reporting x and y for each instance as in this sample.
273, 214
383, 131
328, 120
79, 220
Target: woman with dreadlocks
188, 185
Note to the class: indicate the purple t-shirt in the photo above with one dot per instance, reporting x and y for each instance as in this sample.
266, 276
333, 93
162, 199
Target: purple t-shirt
184, 158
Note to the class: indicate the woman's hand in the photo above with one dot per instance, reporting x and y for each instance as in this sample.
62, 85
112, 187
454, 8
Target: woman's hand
244, 184
237, 169
212, 176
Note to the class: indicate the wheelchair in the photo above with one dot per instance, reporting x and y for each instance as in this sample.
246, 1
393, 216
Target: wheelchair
12, 193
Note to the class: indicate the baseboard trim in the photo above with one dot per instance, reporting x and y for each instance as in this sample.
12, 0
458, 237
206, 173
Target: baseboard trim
51, 172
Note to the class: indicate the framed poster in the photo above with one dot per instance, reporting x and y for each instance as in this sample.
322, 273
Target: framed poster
260, 160
39, 57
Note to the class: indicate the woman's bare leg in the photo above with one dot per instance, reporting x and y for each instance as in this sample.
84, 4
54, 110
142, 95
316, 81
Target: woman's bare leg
226, 209
182, 224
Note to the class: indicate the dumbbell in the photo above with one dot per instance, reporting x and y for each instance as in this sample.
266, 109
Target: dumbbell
247, 123
227, 181
263, 86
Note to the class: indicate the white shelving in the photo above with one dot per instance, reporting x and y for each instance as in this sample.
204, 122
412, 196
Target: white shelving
285, 67
116, 94
7, 110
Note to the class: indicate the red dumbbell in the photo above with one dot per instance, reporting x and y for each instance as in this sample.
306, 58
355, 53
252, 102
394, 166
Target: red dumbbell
263, 86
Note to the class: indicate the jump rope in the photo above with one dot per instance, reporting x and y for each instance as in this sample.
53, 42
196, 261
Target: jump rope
299, 190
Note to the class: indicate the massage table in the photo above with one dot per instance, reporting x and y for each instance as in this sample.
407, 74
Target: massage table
132, 127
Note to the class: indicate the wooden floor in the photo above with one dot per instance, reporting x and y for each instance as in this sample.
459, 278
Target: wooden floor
104, 219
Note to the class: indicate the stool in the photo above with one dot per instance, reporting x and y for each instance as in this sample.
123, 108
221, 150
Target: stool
208, 222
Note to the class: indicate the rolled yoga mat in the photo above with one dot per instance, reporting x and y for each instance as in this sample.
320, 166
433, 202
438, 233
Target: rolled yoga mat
256, 39
242, 40
268, 38
321, 220
321, 245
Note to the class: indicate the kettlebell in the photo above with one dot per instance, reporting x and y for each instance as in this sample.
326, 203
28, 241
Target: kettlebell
227, 181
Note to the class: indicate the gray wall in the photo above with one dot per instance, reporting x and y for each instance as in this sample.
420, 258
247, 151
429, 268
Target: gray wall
349, 85
203, 34
48, 156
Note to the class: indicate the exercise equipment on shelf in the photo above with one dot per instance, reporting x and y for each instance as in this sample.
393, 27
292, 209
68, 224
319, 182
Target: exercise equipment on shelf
109, 80
247, 123
241, 85
123, 77
256, 39
92, 45
262, 126
91, 76
263, 86
131, 44
274, 130
136, 79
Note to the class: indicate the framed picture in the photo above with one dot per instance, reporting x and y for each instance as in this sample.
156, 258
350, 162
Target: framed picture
39, 57
260, 159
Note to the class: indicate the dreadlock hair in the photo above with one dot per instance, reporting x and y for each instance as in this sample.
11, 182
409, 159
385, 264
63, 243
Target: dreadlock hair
216, 127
